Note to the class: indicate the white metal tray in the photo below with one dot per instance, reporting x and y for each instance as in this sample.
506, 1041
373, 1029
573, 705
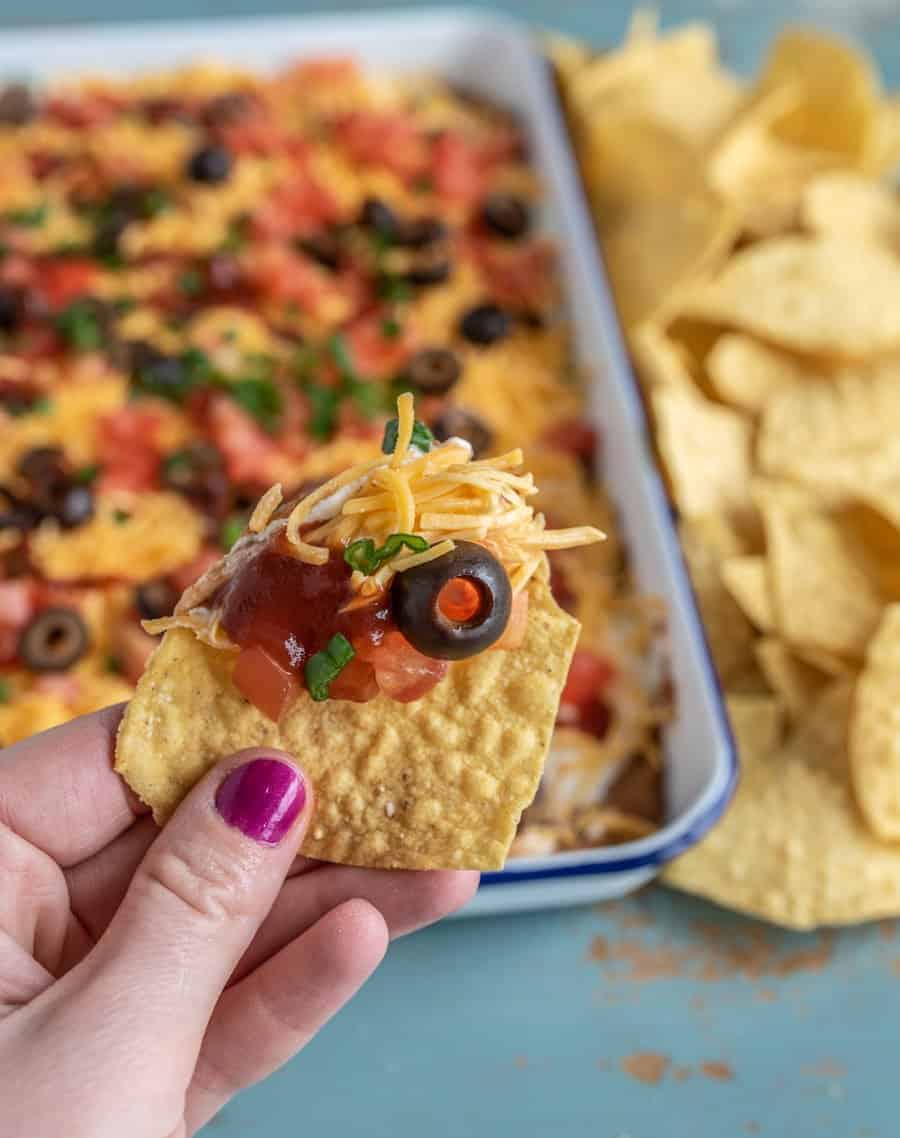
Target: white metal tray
495, 58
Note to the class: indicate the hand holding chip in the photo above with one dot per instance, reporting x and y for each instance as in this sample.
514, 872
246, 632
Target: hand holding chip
146, 978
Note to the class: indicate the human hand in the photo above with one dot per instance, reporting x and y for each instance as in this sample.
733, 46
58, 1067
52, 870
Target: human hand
146, 977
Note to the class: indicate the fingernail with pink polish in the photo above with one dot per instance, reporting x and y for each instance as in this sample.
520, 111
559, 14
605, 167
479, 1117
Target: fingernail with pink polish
262, 799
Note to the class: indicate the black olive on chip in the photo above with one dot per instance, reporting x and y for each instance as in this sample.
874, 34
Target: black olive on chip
210, 164
17, 105
154, 599
15, 513
429, 271
485, 325
454, 422
198, 473
434, 371
54, 640
454, 606
379, 217
506, 215
421, 231
73, 505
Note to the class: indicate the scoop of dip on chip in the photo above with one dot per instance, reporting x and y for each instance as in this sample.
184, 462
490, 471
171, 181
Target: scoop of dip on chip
394, 630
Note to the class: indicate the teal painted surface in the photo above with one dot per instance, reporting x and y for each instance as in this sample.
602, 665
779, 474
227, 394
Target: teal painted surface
510, 1027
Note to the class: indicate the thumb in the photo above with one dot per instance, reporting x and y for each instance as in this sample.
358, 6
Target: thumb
199, 896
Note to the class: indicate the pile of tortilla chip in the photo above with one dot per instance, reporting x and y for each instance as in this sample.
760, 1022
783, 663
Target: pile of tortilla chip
752, 236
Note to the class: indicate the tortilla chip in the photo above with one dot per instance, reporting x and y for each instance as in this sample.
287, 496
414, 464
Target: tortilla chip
437, 783
804, 293
747, 579
850, 204
706, 449
747, 373
821, 591
875, 731
837, 108
792, 847
793, 680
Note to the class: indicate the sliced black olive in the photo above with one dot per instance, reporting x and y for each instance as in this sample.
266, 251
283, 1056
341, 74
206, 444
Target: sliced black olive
434, 370
210, 164
15, 513
485, 324
154, 599
54, 640
417, 609
156, 372
454, 422
506, 215
17, 105
429, 271
325, 248
379, 217
421, 231
41, 465
73, 506
197, 472
12, 308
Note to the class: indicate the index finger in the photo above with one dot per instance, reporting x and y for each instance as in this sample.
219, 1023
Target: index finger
58, 790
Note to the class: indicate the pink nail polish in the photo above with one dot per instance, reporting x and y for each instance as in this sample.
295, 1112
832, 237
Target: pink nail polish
262, 799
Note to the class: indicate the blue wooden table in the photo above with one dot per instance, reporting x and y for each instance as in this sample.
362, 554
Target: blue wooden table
659, 1017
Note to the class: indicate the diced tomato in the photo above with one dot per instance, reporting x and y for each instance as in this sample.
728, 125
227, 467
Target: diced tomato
61, 686
458, 169
589, 675
186, 575
356, 681
402, 672
296, 208
573, 436
64, 279
259, 133
83, 110
517, 625
290, 278
247, 449
384, 138
374, 354
133, 648
17, 605
127, 449
517, 275
266, 683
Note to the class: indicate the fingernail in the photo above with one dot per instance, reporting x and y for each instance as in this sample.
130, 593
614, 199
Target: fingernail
262, 799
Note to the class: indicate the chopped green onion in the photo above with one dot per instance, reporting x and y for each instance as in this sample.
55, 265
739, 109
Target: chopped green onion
362, 554
340, 352
390, 327
155, 201
235, 237
113, 664
197, 365
324, 667
86, 474
422, 185
229, 335
323, 405
5, 690
421, 436
124, 304
79, 326
41, 406
120, 517
191, 282
394, 288
260, 398
232, 529
29, 218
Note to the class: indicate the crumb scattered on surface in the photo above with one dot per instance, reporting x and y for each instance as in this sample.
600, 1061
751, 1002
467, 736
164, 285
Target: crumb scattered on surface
681, 1074
766, 995
826, 1068
716, 1069
599, 948
647, 1067
520, 1061
751, 1127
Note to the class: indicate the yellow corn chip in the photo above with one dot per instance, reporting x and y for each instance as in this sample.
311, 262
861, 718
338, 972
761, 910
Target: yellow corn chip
873, 524
747, 373
822, 594
706, 449
875, 731
793, 680
850, 204
838, 92
437, 783
804, 293
747, 579
792, 847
